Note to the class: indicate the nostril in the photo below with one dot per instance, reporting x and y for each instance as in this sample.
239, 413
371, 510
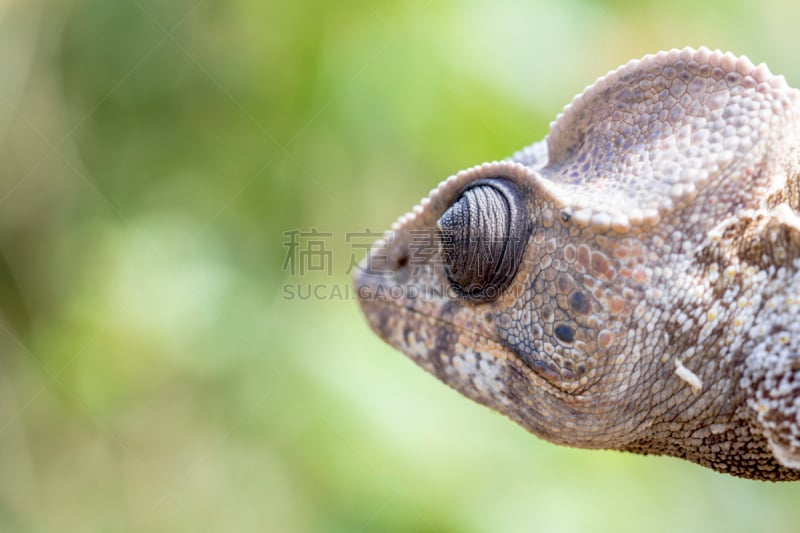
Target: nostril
402, 261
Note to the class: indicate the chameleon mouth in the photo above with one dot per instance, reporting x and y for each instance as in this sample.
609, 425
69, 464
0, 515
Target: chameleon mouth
473, 364
480, 369
445, 337
425, 325
413, 317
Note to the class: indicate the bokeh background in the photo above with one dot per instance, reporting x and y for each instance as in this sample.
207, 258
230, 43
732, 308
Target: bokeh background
162, 367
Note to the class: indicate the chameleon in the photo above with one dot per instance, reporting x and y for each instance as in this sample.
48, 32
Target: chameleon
630, 282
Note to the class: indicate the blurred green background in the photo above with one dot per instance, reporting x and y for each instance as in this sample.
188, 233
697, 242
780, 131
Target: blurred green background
160, 371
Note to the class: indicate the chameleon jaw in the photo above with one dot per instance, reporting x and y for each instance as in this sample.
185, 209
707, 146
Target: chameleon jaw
448, 342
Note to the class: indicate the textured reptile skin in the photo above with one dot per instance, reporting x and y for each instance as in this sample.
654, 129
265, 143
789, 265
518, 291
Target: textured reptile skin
656, 305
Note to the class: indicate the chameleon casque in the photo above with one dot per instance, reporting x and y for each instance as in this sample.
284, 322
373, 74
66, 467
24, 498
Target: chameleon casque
632, 281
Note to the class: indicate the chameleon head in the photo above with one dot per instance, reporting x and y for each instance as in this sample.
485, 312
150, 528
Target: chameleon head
538, 285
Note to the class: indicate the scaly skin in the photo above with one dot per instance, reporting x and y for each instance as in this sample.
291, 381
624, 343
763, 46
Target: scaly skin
655, 305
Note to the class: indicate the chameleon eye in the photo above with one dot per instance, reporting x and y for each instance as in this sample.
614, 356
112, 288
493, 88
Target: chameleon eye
483, 235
